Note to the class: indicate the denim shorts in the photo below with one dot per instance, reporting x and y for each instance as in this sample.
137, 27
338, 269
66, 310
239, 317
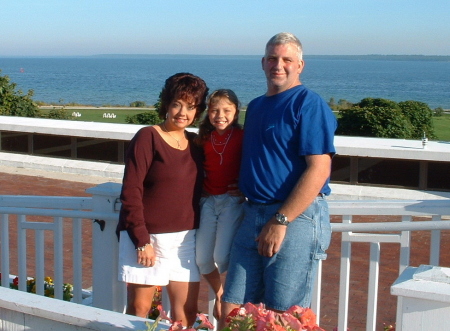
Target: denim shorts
287, 278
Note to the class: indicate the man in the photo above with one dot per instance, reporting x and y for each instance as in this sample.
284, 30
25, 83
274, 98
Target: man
285, 169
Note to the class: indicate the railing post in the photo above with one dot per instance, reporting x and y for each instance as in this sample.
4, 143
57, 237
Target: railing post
107, 292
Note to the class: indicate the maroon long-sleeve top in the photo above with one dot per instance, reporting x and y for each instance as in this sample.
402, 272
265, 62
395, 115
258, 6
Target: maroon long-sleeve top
161, 187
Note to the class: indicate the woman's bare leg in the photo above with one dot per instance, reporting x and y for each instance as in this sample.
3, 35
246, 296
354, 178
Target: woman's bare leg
140, 298
183, 298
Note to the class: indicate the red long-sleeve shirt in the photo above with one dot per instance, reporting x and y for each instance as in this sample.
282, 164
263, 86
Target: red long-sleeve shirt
219, 176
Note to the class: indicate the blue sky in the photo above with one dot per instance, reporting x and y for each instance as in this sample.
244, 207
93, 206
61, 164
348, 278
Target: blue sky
233, 27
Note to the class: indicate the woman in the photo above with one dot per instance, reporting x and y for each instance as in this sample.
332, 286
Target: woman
160, 197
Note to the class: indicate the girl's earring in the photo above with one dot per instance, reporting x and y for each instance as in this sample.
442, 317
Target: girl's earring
167, 115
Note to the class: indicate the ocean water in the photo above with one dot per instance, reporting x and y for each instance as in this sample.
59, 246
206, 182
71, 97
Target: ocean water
120, 80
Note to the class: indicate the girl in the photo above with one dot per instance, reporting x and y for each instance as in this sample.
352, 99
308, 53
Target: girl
220, 135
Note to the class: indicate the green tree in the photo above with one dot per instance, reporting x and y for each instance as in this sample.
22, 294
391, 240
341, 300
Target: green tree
149, 118
375, 118
420, 116
15, 103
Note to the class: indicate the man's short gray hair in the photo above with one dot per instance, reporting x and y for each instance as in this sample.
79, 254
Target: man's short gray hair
283, 38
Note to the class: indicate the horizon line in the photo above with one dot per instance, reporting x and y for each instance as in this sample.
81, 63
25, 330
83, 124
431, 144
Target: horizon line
218, 55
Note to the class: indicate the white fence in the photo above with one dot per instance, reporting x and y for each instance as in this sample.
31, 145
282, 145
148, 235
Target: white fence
103, 207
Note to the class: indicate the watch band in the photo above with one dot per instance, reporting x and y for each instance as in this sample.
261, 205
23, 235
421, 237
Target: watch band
142, 248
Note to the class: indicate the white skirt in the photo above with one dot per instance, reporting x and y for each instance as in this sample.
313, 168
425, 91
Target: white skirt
175, 259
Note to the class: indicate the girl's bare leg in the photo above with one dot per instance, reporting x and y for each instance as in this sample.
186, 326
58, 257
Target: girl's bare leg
215, 282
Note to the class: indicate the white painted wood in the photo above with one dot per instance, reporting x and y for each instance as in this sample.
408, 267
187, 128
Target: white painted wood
425, 293
317, 292
58, 260
372, 298
25, 311
109, 292
344, 277
77, 260
4, 248
435, 243
40, 262
54, 202
22, 254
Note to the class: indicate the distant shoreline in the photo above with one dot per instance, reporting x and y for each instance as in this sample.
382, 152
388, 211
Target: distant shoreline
374, 57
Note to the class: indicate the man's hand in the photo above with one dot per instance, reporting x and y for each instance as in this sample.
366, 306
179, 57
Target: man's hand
271, 238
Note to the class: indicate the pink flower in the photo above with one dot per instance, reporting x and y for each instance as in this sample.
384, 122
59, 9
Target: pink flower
308, 318
292, 321
204, 322
162, 314
296, 311
176, 326
267, 321
235, 312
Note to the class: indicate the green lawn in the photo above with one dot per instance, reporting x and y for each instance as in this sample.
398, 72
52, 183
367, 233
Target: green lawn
96, 115
442, 127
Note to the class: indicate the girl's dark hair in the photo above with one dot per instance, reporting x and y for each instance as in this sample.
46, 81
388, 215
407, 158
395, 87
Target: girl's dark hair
206, 127
184, 86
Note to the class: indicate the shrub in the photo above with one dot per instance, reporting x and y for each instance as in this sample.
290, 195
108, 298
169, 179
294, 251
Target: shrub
15, 103
437, 112
149, 118
386, 118
58, 114
138, 104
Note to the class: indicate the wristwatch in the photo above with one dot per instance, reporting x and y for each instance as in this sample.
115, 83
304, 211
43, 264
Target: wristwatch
142, 248
281, 218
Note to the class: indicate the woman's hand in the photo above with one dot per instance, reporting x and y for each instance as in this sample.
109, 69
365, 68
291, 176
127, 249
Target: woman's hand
146, 257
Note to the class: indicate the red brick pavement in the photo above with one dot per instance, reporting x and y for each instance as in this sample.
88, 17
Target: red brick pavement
13, 184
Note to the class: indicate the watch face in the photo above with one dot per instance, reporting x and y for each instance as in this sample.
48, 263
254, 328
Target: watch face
281, 218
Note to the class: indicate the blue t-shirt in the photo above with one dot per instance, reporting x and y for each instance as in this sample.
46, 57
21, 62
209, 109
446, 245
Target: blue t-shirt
279, 131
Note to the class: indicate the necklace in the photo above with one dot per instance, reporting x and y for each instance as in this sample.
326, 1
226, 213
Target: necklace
177, 140
214, 144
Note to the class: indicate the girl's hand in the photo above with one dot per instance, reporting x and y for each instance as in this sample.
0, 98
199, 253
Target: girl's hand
234, 191
147, 257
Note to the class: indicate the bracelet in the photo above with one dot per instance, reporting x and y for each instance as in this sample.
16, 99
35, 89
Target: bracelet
142, 248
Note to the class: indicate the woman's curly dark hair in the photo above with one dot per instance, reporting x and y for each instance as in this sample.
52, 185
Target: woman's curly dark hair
184, 86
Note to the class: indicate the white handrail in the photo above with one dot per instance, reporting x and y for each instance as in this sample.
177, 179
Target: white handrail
104, 206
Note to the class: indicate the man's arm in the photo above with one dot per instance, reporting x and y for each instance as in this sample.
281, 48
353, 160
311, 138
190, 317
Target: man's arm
302, 195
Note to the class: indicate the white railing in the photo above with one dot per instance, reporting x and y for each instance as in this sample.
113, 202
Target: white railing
40, 214
372, 233
109, 294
